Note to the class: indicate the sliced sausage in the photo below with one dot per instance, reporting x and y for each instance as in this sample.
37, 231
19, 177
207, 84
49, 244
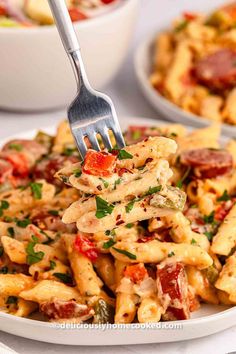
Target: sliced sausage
218, 70
172, 287
47, 167
22, 155
59, 309
207, 163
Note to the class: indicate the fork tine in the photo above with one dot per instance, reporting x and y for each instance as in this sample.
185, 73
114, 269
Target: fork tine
79, 139
119, 137
94, 141
106, 139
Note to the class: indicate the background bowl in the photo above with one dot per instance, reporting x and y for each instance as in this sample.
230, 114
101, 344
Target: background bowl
143, 66
35, 71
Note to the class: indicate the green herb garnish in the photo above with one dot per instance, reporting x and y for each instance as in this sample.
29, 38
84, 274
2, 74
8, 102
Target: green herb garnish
129, 226
105, 183
4, 204
32, 256
125, 253
52, 265
209, 235
152, 190
77, 173
171, 254
65, 278
36, 189
11, 231
193, 241
103, 208
23, 223
130, 206
181, 26
124, 155
53, 212
108, 244
224, 197
209, 219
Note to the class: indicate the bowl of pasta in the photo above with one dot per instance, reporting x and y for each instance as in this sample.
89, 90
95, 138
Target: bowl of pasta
138, 240
187, 71
41, 78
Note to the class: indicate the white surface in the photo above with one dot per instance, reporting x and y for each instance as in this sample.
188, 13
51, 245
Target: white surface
129, 101
207, 320
142, 63
35, 71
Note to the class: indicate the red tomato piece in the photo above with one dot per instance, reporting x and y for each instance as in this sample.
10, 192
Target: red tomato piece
77, 15
6, 170
189, 16
172, 281
86, 247
136, 272
99, 163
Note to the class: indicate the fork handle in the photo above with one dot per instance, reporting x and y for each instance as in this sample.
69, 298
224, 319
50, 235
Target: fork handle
64, 25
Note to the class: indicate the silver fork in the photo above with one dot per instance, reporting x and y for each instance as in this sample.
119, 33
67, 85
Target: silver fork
91, 112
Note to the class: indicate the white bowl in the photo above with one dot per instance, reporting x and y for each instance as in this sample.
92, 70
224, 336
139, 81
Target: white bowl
143, 62
35, 72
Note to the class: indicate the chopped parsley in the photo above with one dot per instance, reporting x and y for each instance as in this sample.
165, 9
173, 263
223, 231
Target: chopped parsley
65, 278
14, 146
103, 208
118, 181
109, 244
130, 206
171, 254
4, 204
193, 241
224, 197
209, 235
152, 190
53, 212
11, 231
129, 226
209, 219
125, 253
32, 256
69, 151
77, 173
52, 265
179, 184
124, 155
12, 300
105, 183
23, 223
36, 190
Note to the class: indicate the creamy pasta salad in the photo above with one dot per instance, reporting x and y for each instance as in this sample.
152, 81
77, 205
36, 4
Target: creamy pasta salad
31, 13
142, 234
194, 64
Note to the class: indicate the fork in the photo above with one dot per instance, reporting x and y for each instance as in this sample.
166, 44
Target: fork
91, 113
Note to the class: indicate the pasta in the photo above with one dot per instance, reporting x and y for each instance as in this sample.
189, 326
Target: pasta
129, 235
193, 64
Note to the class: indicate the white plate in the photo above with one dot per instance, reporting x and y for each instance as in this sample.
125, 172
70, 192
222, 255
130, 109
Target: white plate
142, 62
208, 320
